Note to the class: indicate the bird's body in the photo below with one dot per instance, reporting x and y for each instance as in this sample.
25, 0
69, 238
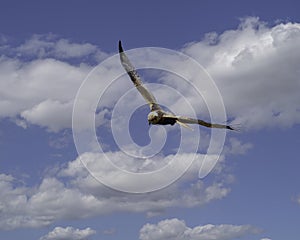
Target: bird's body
157, 115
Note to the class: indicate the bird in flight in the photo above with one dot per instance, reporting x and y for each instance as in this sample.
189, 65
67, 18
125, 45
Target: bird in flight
157, 115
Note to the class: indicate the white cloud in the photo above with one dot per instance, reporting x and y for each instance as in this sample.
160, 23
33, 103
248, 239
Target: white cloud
177, 230
45, 114
68, 233
74, 193
41, 91
266, 239
255, 68
12, 200
21, 123
39, 80
45, 46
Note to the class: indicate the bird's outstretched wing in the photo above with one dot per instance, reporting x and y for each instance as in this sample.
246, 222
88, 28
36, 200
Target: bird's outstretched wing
135, 78
186, 120
203, 123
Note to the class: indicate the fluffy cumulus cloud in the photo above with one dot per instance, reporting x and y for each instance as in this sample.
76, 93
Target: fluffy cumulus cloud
68, 233
255, 68
51, 46
74, 193
39, 92
177, 229
40, 79
45, 114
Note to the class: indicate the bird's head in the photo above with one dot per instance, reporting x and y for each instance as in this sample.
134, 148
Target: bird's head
153, 118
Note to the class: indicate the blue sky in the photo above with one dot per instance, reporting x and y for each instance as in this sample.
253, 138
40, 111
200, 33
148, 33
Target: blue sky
251, 51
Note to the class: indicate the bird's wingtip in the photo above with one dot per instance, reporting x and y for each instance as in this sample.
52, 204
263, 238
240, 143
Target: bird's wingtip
235, 127
230, 127
120, 46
